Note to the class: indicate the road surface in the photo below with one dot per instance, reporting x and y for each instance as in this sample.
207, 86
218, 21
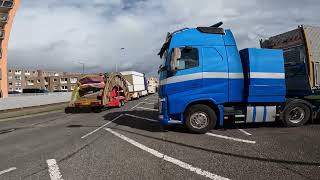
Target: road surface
129, 143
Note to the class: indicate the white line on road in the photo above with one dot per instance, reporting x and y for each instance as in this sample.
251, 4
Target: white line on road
147, 108
168, 158
231, 138
139, 117
53, 169
245, 132
148, 103
7, 170
101, 127
136, 105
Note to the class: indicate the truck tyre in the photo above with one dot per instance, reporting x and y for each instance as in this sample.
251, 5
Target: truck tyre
200, 118
296, 114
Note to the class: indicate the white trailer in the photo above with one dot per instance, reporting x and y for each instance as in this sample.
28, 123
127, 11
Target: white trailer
153, 84
136, 84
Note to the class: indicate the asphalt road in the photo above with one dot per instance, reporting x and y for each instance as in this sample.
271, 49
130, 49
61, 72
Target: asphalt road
129, 143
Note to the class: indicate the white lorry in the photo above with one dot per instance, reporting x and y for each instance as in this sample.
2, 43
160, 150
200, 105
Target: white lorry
136, 84
153, 84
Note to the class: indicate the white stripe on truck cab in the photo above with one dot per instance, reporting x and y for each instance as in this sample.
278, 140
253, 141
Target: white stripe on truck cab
219, 75
262, 75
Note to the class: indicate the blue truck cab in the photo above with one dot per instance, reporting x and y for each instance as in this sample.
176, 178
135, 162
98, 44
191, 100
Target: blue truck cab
205, 80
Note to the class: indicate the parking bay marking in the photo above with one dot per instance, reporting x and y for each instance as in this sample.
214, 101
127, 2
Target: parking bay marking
148, 103
53, 169
147, 108
231, 138
136, 105
101, 127
8, 170
168, 158
245, 132
139, 117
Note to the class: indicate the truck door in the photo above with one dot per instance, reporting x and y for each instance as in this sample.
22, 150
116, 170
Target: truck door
215, 73
189, 72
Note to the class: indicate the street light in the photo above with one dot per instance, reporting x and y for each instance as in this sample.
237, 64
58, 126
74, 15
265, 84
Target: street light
82, 66
122, 50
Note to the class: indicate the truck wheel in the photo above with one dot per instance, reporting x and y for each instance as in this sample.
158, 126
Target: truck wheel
296, 114
200, 118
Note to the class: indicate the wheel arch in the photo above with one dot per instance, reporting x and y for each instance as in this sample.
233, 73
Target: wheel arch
209, 102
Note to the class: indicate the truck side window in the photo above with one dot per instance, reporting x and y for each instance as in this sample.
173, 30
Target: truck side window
295, 61
189, 58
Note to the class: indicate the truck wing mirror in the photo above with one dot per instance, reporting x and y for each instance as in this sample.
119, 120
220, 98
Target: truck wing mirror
176, 55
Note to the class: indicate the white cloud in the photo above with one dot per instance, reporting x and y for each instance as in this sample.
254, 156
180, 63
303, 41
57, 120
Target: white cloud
58, 34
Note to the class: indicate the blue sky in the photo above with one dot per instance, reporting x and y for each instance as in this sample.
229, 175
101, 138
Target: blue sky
56, 35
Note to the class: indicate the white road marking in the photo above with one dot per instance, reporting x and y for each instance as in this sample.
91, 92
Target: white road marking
245, 132
136, 105
139, 117
231, 138
152, 99
101, 127
147, 108
148, 103
8, 170
53, 169
168, 158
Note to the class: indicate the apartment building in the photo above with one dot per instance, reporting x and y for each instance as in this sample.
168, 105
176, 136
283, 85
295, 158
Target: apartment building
19, 79
8, 10
63, 83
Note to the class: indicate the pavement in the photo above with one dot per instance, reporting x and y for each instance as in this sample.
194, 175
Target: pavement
129, 143
17, 102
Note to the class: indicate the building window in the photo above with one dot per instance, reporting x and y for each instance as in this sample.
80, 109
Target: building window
8, 4
72, 87
17, 78
63, 80
18, 84
10, 71
73, 80
17, 71
38, 81
55, 88
55, 80
30, 82
10, 83
64, 87
9, 77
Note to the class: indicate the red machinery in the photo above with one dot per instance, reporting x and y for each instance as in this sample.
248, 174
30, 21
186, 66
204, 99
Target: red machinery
100, 91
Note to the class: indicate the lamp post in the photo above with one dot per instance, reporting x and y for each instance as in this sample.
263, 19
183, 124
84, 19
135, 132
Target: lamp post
83, 65
121, 50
